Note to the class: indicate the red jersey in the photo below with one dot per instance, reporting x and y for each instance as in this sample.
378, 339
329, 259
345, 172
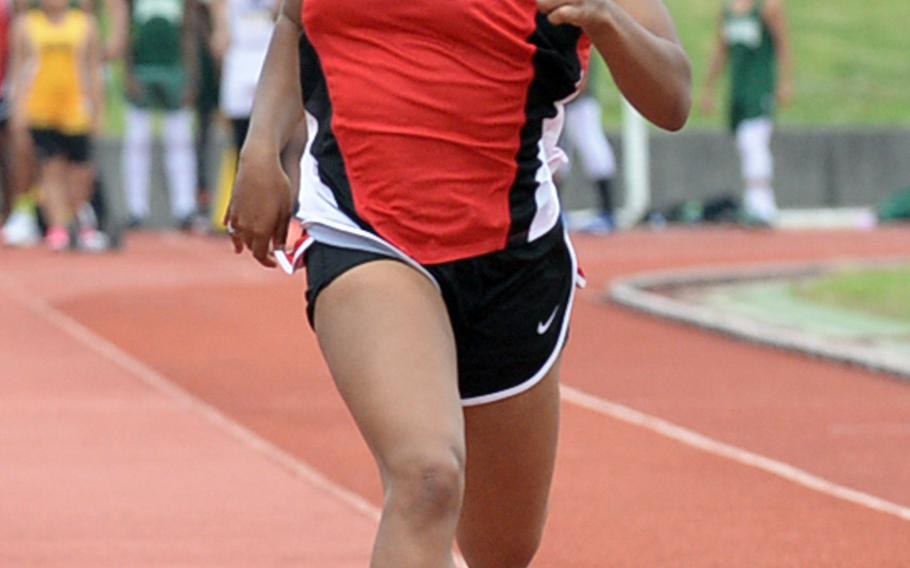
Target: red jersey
430, 120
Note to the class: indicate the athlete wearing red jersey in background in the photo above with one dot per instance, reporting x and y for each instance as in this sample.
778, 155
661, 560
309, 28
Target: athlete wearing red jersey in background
440, 283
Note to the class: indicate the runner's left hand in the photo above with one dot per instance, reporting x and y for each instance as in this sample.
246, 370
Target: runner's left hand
578, 13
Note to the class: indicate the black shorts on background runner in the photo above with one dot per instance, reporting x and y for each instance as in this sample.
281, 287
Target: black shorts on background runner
53, 143
509, 309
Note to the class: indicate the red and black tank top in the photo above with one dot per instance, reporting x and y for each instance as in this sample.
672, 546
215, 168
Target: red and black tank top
431, 118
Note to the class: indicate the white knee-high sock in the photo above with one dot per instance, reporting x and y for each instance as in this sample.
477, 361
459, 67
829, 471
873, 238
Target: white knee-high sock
753, 139
180, 160
137, 160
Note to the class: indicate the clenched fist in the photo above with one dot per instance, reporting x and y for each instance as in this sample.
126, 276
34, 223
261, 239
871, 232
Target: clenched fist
580, 13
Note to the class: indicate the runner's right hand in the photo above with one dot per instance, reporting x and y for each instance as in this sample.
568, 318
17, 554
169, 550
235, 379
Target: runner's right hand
260, 209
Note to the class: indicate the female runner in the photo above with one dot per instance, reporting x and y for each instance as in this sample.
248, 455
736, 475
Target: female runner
440, 281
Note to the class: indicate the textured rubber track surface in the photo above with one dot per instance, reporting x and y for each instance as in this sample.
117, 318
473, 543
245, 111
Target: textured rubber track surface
91, 455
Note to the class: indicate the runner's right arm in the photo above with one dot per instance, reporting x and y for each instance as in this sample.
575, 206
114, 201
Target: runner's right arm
278, 106
260, 207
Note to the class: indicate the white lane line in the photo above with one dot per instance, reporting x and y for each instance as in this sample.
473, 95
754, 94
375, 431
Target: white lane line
188, 401
733, 453
193, 404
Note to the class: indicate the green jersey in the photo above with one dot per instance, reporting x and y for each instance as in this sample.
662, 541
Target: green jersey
157, 33
753, 63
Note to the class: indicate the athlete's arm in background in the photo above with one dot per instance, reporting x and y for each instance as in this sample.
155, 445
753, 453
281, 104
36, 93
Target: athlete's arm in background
638, 41
221, 35
717, 66
117, 29
134, 88
190, 47
260, 207
22, 74
92, 70
777, 22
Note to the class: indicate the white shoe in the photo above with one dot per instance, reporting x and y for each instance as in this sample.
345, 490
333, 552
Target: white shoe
21, 229
92, 240
760, 205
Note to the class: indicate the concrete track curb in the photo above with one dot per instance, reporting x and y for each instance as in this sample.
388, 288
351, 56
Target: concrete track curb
648, 293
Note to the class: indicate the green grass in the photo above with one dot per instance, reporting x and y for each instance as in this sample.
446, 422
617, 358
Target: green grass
882, 292
852, 61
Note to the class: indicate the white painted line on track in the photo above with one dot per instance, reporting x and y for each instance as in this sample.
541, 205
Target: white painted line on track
730, 452
188, 401
191, 403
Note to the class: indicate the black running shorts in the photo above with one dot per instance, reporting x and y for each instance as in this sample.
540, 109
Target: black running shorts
509, 309
49, 144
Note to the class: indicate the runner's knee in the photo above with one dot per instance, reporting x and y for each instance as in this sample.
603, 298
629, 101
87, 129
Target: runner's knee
425, 486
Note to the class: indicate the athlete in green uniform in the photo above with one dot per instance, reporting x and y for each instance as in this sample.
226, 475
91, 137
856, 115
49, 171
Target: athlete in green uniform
753, 43
161, 65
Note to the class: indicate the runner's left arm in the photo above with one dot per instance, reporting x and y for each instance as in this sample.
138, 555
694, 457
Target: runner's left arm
638, 41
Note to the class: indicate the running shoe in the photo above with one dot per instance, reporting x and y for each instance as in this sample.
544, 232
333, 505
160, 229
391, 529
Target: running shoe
601, 225
21, 229
57, 239
92, 240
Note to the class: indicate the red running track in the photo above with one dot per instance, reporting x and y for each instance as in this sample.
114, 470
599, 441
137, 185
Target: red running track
90, 344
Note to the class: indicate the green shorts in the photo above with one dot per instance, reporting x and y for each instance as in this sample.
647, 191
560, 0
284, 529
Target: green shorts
163, 88
747, 108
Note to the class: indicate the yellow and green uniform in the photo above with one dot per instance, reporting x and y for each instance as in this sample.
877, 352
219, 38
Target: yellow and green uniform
753, 64
156, 52
57, 98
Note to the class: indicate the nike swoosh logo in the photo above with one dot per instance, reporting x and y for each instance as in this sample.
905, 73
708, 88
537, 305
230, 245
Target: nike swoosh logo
543, 326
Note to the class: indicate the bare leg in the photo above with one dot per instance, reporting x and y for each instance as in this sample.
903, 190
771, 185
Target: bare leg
6, 178
55, 196
81, 180
386, 336
23, 158
506, 492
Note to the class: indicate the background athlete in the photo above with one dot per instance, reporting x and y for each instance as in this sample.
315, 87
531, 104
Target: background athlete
161, 78
249, 24
753, 43
59, 98
441, 281
22, 227
584, 135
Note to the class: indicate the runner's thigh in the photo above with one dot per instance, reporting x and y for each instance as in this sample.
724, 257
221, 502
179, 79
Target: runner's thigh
511, 453
386, 336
